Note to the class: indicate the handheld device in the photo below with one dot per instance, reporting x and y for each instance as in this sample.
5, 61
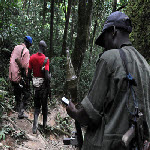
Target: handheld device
65, 101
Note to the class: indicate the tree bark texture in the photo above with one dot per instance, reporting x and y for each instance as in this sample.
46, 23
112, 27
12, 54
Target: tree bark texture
44, 11
84, 17
66, 28
51, 29
92, 42
114, 5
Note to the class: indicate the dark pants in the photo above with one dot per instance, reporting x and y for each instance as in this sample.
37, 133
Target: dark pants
21, 96
40, 99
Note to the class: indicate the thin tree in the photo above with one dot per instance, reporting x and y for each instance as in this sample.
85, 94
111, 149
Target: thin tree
114, 5
92, 42
51, 28
72, 24
44, 11
66, 28
84, 18
28, 7
81, 41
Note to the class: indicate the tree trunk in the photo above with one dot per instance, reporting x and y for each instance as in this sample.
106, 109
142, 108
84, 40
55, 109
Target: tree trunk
66, 28
81, 41
44, 11
51, 29
92, 42
84, 16
24, 5
72, 24
28, 7
114, 5
64, 8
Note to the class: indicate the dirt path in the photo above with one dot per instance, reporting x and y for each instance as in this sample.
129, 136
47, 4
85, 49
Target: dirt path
27, 141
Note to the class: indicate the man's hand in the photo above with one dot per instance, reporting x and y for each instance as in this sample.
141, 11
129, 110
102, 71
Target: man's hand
71, 110
78, 114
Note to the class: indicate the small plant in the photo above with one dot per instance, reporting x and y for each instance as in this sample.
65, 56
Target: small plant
63, 123
19, 135
5, 130
2, 134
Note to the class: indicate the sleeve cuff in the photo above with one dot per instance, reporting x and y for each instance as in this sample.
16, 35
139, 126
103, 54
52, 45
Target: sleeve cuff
90, 110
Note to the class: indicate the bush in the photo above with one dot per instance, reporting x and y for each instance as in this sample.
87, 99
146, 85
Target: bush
57, 69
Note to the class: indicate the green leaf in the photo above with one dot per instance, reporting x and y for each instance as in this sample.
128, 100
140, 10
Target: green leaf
2, 135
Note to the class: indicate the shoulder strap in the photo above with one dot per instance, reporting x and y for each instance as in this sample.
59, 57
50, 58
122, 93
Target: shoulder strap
17, 61
45, 61
22, 51
131, 81
124, 62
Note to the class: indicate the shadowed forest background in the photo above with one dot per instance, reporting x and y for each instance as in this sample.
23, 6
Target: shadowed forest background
64, 24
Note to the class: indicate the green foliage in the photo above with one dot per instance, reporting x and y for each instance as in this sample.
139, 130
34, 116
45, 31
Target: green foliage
6, 130
141, 25
5, 101
2, 134
87, 72
3, 84
58, 74
11, 131
63, 123
2, 108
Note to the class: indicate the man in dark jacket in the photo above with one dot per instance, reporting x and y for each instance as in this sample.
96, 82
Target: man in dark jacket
40, 81
107, 106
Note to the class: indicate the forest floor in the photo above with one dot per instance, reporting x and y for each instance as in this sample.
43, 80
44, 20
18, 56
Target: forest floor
18, 132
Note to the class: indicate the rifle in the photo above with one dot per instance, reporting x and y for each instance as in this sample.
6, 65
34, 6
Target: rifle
134, 136
77, 139
49, 78
79, 134
72, 87
23, 81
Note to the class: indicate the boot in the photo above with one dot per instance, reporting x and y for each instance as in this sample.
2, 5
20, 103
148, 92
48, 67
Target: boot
35, 123
16, 108
44, 121
21, 114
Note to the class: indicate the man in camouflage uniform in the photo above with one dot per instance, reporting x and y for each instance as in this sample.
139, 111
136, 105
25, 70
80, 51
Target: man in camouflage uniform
104, 109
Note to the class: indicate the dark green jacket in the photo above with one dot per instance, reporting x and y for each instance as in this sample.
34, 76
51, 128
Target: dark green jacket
108, 94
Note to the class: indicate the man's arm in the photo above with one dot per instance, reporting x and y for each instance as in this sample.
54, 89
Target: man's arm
47, 70
29, 74
46, 75
78, 114
91, 113
29, 77
25, 61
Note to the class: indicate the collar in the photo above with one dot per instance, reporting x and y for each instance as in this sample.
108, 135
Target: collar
126, 44
40, 53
